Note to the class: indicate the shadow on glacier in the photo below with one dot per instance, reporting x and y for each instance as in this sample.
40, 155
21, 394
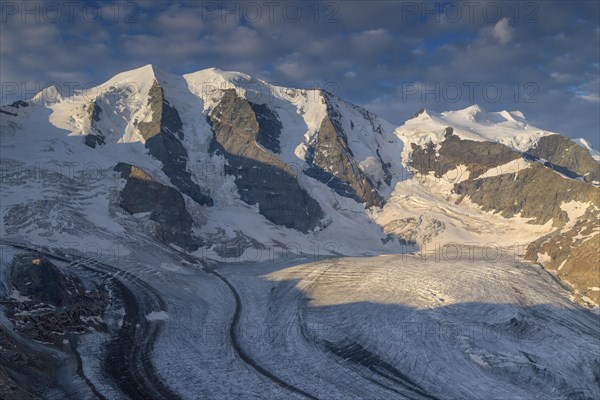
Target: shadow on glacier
464, 350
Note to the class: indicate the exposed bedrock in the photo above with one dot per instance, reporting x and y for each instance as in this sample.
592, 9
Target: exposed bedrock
163, 137
95, 137
165, 204
332, 162
573, 254
536, 192
477, 157
247, 134
566, 157
533, 191
47, 304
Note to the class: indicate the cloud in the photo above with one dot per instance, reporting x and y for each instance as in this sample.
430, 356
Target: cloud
366, 52
241, 43
291, 66
591, 97
502, 31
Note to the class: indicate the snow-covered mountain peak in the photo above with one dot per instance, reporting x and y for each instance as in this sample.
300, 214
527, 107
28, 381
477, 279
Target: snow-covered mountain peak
221, 79
468, 112
47, 96
141, 74
479, 114
232, 76
473, 123
231, 162
518, 114
138, 80
508, 116
112, 109
421, 115
209, 84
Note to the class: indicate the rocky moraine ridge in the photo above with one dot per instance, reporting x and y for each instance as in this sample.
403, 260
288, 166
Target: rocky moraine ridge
50, 307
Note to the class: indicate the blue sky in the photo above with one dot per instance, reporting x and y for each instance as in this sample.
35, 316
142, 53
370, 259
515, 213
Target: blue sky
539, 57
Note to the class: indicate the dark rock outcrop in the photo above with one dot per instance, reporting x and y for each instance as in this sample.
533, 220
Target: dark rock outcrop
37, 278
163, 137
94, 112
235, 247
51, 304
23, 374
573, 254
269, 127
260, 176
164, 203
566, 157
92, 140
536, 192
12, 108
331, 161
96, 138
387, 174
19, 104
415, 115
478, 157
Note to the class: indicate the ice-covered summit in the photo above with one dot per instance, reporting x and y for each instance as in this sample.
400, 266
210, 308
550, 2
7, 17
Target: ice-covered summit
474, 123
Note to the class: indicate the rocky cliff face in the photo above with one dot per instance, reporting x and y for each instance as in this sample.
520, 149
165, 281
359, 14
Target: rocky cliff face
477, 157
566, 157
163, 137
530, 189
246, 134
332, 162
504, 181
573, 254
95, 137
269, 127
13, 108
142, 194
46, 304
535, 192
40, 280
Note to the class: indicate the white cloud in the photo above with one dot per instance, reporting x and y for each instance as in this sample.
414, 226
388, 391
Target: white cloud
291, 66
591, 97
502, 31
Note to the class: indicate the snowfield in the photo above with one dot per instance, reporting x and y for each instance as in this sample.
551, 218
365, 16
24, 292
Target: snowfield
472, 123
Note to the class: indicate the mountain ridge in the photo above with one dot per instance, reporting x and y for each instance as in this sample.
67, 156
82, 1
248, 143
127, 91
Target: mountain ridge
237, 165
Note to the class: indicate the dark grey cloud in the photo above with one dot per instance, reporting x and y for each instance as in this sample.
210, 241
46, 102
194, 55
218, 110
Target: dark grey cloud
543, 55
